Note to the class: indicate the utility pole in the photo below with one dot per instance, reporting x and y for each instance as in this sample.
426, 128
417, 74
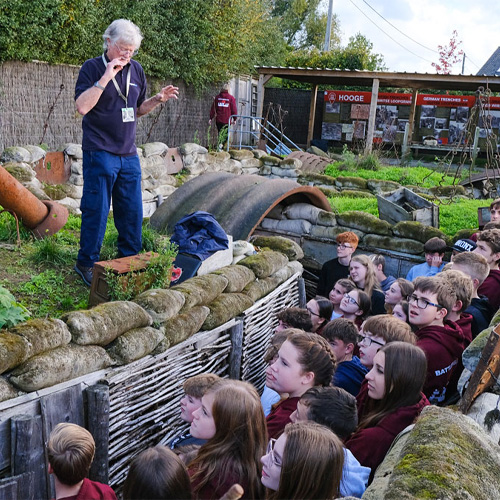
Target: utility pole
463, 64
328, 27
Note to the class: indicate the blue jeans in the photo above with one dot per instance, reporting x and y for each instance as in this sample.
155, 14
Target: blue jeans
109, 177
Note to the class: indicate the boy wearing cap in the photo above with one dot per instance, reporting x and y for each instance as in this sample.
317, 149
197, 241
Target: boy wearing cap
434, 250
462, 246
488, 245
336, 269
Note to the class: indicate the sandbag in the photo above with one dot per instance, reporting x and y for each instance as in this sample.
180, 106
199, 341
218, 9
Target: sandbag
7, 390
238, 277
265, 263
201, 290
13, 350
280, 244
184, 325
59, 365
105, 322
225, 307
303, 211
134, 344
287, 226
261, 288
43, 334
161, 304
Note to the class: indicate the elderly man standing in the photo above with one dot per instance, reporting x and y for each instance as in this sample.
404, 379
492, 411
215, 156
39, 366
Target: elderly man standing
111, 94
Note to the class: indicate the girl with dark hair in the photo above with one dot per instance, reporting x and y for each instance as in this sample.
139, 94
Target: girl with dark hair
398, 291
304, 361
304, 463
337, 293
400, 311
355, 306
362, 272
391, 400
157, 474
320, 310
232, 420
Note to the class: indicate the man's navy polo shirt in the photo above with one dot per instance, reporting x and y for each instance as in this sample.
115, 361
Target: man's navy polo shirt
103, 127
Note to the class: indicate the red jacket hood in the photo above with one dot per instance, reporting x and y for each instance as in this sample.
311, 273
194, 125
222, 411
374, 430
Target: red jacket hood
450, 336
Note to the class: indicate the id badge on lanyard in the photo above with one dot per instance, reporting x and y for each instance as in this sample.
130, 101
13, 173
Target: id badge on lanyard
128, 114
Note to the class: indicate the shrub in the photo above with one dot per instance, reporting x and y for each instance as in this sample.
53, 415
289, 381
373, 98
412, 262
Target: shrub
11, 312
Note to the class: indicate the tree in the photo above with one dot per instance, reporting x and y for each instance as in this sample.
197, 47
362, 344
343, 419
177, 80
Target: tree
449, 55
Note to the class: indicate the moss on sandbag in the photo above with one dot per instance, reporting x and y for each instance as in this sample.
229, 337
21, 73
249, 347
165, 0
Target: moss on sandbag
280, 244
183, 326
265, 263
225, 307
13, 350
201, 290
43, 334
365, 222
105, 322
328, 219
59, 365
404, 245
7, 390
417, 231
263, 287
161, 304
134, 344
237, 276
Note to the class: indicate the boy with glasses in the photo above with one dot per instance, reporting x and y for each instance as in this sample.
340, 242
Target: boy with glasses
442, 340
337, 268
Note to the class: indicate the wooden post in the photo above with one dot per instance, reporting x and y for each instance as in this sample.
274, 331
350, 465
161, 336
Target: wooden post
301, 285
98, 425
28, 455
371, 118
260, 97
411, 118
236, 334
475, 148
312, 113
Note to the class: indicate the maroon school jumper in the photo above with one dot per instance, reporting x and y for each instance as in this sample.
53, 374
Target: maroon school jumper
214, 490
280, 416
443, 345
371, 444
92, 490
223, 107
491, 288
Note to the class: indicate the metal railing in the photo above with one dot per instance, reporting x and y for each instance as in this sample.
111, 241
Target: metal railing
247, 131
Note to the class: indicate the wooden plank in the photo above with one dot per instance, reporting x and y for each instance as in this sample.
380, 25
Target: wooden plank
97, 398
8, 489
411, 120
236, 334
312, 112
302, 292
486, 372
371, 118
28, 455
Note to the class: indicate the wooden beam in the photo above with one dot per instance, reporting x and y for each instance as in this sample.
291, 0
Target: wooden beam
411, 119
312, 113
371, 118
260, 96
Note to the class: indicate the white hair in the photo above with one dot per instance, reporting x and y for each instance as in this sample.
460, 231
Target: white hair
123, 30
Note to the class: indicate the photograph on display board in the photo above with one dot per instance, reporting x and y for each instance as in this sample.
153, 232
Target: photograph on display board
456, 132
491, 120
332, 107
390, 133
385, 115
460, 114
427, 122
359, 130
426, 111
402, 125
441, 123
331, 131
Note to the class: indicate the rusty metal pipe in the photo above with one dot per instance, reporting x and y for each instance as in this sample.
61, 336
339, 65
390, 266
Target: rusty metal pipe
44, 218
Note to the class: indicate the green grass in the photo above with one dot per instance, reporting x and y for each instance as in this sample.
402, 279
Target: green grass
410, 176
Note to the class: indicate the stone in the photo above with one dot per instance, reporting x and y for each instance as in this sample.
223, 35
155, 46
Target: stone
285, 172
61, 191
20, 171
14, 350
242, 247
351, 183
197, 168
259, 153
280, 244
77, 167
381, 186
251, 163
35, 191
134, 344
265, 263
226, 307
319, 179
238, 277
472, 353
7, 390
270, 160
161, 304
277, 213
480, 411
16, 154
328, 192
164, 190
448, 191
241, 154
291, 163
220, 156
37, 153
74, 150
417, 231
298, 227
265, 170
446, 456
154, 148
105, 322
250, 170
189, 159
404, 245
231, 166
317, 151
365, 222
328, 219
154, 166
76, 179
190, 148
72, 205
356, 193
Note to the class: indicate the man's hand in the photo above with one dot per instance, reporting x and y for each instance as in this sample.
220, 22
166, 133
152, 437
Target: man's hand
436, 261
114, 67
166, 93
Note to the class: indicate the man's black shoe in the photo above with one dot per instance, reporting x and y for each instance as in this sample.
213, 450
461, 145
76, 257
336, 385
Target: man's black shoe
86, 273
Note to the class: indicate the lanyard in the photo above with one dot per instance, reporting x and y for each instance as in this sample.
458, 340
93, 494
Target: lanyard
124, 97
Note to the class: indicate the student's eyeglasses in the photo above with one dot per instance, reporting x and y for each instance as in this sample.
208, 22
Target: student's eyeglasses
421, 302
132, 52
270, 452
368, 341
343, 246
350, 299
313, 313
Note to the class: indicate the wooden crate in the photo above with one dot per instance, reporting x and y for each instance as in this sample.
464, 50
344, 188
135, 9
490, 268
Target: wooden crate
405, 205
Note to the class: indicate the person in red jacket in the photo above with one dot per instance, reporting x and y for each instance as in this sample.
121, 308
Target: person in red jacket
488, 245
389, 401
443, 341
223, 107
71, 450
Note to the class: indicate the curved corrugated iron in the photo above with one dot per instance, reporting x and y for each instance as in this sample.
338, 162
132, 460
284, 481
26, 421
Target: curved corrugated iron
238, 202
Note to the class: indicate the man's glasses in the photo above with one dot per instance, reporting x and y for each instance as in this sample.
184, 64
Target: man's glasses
132, 52
343, 246
350, 299
421, 302
368, 341
270, 452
